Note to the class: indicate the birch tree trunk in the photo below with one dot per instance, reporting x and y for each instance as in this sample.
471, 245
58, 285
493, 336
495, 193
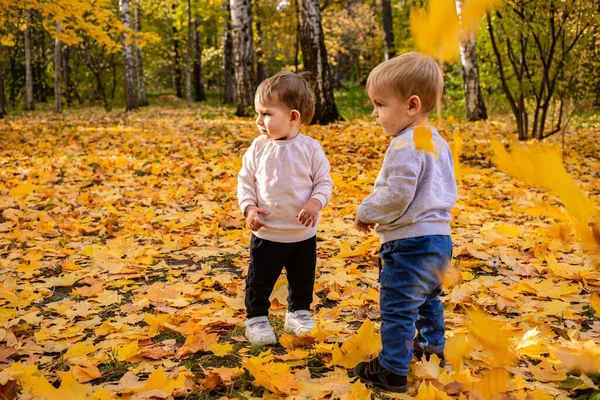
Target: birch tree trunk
228, 62
128, 73
28, 75
314, 54
2, 97
142, 98
260, 66
188, 58
388, 29
241, 22
200, 95
473, 98
57, 71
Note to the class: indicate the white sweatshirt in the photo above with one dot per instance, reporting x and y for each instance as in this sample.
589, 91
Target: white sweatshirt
280, 176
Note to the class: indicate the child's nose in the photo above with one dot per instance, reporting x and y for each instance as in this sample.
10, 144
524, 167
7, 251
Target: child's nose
375, 113
258, 120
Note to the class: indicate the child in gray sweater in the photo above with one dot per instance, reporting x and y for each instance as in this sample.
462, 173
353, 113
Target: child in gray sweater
411, 203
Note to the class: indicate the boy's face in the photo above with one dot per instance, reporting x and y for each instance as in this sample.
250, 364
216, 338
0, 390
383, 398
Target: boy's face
390, 111
275, 120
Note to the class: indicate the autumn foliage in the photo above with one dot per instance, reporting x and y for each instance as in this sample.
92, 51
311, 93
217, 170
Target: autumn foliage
123, 256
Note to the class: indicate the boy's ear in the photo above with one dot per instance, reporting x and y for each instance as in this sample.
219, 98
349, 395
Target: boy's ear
294, 116
414, 105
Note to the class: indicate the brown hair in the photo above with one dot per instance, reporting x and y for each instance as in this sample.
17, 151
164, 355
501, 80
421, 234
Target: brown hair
291, 89
410, 74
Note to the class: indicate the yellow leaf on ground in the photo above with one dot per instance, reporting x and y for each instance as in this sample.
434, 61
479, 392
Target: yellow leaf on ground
80, 350
493, 383
275, 377
220, 350
362, 346
127, 351
430, 392
595, 302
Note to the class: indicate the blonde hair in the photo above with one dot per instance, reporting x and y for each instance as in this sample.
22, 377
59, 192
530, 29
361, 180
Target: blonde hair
410, 74
291, 89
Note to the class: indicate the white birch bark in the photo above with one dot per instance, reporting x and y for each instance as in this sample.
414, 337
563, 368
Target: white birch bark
128, 72
241, 23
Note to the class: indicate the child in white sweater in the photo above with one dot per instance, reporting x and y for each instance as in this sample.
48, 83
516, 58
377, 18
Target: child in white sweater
283, 184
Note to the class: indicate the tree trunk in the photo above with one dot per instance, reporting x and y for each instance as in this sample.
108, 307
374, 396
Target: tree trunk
57, 71
66, 70
228, 62
314, 54
188, 57
41, 67
2, 98
12, 57
28, 75
142, 98
128, 73
241, 22
475, 105
473, 98
388, 29
176, 62
200, 95
260, 66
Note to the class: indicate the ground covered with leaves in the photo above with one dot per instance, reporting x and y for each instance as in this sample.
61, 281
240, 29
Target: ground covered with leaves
123, 256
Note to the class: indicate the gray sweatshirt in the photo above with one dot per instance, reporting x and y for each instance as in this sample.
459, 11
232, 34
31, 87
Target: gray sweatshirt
415, 191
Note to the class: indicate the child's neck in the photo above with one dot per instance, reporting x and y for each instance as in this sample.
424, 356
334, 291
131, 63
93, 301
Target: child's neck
291, 135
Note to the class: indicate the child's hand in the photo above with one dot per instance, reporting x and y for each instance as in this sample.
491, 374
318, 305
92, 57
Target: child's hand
253, 218
310, 213
361, 226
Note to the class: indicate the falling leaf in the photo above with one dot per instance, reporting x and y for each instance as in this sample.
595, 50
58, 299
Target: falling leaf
423, 138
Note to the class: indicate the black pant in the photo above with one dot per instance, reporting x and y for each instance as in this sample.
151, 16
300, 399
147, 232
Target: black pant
267, 260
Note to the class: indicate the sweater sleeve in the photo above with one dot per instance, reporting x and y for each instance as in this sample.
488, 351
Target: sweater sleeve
395, 187
246, 190
322, 182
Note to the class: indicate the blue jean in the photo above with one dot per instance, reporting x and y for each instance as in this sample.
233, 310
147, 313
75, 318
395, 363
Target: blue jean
410, 273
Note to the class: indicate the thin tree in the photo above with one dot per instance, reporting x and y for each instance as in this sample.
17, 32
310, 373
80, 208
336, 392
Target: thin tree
188, 58
57, 70
260, 66
314, 54
475, 105
228, 61
142, 98
128, 73
2, 98
241, 22
200, 95
388, 29
28, 75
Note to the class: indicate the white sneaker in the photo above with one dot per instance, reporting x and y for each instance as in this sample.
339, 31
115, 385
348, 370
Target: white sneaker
298, 322
259, 332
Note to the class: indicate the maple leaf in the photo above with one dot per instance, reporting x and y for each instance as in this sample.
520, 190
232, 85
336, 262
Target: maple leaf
491, 335
494, 382
430, 392
457, 348
275, 377
360, 347
436, 31
423, 139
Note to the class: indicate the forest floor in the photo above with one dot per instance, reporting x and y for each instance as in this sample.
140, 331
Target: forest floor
123, 256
